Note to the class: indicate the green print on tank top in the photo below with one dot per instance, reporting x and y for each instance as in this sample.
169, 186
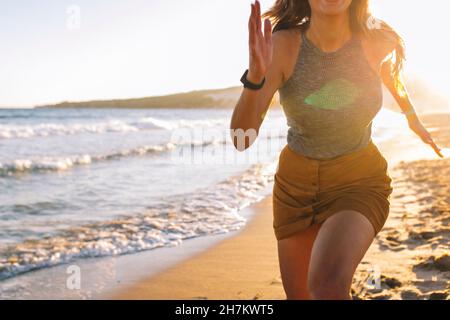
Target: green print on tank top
335, 94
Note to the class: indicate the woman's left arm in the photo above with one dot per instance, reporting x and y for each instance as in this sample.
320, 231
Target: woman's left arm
397, 88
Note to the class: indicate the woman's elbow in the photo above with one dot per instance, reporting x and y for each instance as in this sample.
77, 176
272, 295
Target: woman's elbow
242, 139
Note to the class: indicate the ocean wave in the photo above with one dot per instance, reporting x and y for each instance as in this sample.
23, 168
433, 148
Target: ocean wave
10, 131
50, 164
43, 164
149, 123
209, 211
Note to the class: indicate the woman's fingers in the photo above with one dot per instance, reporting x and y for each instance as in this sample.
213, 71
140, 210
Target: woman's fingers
258, 17
255, 27
251, 25
268, 32
436, 149
251, 20
429, 140
257, 13
259, 43
426, 137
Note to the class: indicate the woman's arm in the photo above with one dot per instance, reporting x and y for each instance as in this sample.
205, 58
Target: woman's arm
265, 61
397, 88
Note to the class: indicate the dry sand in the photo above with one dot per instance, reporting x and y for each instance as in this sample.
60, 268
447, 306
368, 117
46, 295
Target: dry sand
411, 252
408, 259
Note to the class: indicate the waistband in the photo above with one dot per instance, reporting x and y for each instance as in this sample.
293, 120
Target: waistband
368, 150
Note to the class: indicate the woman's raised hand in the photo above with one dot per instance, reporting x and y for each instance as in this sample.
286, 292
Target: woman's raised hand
260, 45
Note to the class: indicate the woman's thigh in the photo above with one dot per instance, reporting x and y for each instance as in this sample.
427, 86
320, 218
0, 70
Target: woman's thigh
294, 255
339, 247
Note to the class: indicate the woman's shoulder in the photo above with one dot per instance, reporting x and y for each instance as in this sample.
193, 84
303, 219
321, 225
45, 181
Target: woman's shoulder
291, 31
287, 37
379, 43
286, 47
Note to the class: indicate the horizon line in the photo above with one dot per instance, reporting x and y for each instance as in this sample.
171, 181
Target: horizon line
112, 99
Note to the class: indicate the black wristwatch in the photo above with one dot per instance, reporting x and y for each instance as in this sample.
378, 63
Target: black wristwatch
251, 85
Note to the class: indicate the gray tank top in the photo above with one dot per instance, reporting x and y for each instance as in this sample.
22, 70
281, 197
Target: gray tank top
330, 100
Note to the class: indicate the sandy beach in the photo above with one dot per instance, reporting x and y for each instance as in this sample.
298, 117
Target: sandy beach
410, 255
407, 260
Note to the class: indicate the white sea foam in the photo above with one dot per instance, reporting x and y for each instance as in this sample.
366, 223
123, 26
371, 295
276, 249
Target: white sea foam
209, 211
62, 163
44, 164
9, 131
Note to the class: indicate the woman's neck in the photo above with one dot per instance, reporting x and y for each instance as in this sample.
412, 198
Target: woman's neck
329, 33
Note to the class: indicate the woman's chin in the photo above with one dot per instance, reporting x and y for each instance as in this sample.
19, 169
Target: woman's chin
333, 7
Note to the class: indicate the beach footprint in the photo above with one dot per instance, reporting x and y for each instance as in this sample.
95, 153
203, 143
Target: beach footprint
440, 263
438, 295
390, 282
411, 294
391, 241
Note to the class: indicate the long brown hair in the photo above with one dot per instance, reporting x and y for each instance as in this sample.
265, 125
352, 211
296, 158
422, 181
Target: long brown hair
286, 14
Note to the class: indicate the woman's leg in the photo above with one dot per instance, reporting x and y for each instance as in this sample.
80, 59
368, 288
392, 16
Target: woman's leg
294, 256
339, 247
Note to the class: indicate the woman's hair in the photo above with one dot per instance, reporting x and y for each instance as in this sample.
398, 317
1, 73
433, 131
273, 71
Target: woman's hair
286, 14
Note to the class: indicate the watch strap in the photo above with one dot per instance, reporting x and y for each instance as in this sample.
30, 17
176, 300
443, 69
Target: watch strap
250, 85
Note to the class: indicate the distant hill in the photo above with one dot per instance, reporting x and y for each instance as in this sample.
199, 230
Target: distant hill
216, 98
421, 94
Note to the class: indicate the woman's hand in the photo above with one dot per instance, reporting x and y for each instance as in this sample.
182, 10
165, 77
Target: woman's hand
416, 126
260, 45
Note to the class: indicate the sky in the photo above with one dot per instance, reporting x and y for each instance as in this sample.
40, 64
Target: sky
53, 51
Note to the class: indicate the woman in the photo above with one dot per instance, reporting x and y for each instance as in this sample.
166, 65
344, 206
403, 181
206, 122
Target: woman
328, 60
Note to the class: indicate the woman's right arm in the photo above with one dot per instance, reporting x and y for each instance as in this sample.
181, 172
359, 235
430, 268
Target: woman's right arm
265, 61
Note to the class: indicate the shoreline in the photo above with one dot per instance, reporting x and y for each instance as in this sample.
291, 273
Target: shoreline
102, 276
244, 266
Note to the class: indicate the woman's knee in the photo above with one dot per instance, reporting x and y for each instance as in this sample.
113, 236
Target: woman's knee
329, 286
337, 251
